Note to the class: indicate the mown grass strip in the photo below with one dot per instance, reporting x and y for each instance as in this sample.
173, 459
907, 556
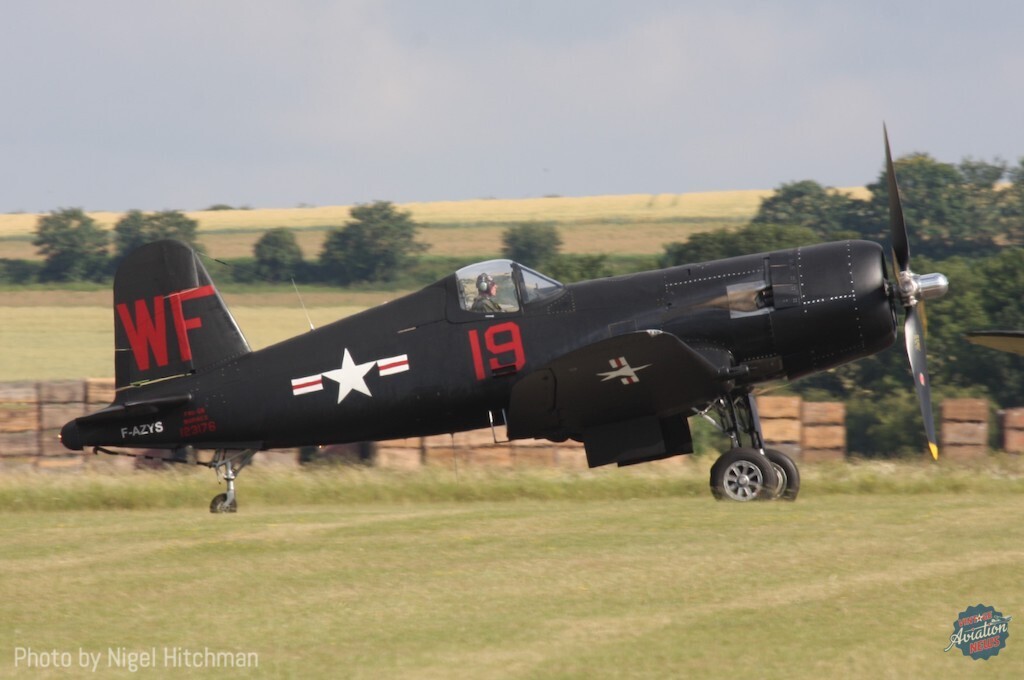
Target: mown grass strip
836, 585
188, 487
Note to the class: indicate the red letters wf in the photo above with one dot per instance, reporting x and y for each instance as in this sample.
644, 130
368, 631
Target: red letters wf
149, 332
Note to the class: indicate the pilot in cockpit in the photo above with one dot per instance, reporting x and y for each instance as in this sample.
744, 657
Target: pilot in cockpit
487, 289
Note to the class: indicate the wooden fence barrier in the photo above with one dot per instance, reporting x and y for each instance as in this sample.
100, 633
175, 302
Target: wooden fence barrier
824, 433
964, 429
19, 424
1013, 430
31, 415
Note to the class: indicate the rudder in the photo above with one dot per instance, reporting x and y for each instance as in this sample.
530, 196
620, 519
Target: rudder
169, 319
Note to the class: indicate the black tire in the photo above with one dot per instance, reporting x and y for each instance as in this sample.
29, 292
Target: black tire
743, 475
220, 504
786, 470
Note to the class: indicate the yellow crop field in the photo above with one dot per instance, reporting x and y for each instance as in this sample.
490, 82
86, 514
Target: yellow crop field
719, 205
633, 207
637, 224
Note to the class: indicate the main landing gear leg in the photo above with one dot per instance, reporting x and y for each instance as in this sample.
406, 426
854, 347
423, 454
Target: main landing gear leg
228, 464
749, 471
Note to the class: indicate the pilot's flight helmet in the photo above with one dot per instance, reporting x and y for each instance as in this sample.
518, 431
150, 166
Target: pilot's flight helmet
484, 282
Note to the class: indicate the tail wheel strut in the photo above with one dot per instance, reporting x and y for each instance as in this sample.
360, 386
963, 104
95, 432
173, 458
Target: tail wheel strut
228, 464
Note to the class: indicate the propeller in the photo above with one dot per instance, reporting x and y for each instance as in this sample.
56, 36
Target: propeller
912, 290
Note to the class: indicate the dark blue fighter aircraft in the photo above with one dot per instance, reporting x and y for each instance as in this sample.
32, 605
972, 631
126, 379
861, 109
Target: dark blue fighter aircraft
619, 363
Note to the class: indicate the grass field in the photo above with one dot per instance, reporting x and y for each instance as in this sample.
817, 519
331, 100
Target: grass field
608, 575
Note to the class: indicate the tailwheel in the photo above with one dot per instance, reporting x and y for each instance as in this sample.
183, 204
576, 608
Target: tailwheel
228, 464
788, 485
743, 475
221, 504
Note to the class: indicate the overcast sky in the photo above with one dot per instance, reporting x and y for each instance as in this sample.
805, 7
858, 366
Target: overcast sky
112, 105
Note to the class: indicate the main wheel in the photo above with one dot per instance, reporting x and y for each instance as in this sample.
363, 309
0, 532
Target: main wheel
220, 504
743, 475
788, 485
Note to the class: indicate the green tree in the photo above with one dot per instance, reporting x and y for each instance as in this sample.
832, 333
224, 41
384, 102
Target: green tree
945, 206
985, 199
74, 246
885, 425
137, 228
982, 174
129, 233
753, 238
809, 204
376, 245
278, 256
993, 288
172, 224
571, 268
535, 244
1010, 206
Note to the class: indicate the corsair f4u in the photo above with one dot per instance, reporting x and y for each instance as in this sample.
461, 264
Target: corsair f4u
619, 364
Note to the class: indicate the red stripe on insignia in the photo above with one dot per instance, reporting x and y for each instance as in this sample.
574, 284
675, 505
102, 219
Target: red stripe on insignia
392, 365
306, 385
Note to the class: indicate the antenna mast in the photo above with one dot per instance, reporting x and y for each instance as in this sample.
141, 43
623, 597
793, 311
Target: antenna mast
303, 305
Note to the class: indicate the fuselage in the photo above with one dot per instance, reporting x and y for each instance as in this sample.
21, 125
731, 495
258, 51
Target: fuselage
425, 364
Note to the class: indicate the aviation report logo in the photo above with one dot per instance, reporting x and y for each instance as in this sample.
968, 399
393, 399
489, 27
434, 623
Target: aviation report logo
979, 632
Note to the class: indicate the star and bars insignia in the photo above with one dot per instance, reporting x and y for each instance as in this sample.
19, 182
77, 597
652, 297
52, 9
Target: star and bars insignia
351, 376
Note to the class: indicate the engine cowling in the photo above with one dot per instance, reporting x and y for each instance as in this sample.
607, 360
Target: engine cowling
832, 305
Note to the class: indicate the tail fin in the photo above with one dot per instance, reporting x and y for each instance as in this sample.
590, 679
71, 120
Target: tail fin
169, 319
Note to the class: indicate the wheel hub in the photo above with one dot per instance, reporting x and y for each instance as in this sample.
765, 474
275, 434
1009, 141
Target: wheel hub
743, 481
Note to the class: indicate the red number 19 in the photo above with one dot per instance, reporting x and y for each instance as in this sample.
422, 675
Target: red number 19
499, 340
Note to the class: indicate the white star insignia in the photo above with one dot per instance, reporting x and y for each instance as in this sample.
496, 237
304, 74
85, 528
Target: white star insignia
351, 376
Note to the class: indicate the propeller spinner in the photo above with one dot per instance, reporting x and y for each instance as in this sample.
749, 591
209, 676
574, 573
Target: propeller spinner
911, 291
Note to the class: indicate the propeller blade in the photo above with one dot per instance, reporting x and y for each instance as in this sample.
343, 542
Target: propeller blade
913, 332
911, 291
897, 226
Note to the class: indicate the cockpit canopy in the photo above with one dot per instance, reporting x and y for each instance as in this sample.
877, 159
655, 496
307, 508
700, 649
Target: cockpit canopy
514, 286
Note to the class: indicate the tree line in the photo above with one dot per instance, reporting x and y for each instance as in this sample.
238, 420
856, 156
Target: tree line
971, 209
376, 246
376, 243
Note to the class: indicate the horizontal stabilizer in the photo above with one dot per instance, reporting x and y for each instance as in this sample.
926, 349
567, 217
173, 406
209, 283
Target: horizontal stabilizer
135, 409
